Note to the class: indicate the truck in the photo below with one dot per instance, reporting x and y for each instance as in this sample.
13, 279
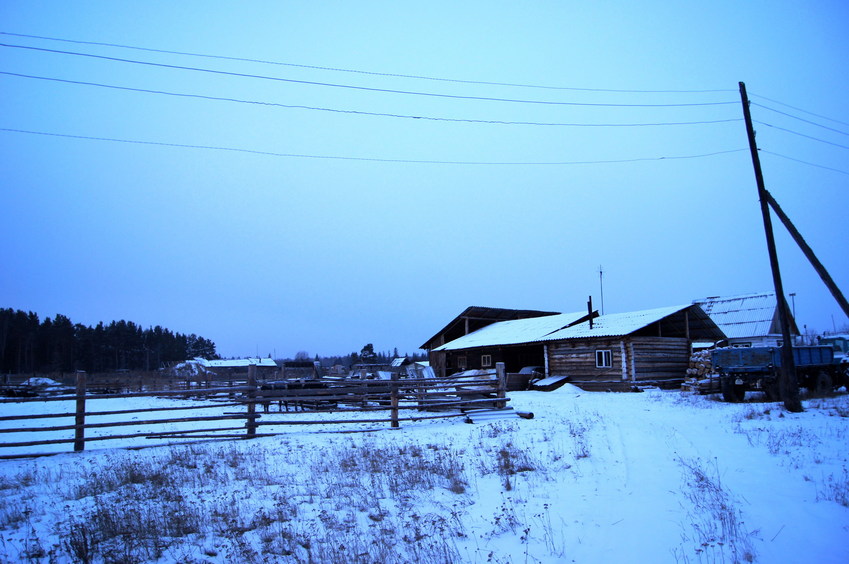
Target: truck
742, 369
840, 343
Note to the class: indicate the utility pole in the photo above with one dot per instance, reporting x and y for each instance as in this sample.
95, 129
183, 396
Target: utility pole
788, 385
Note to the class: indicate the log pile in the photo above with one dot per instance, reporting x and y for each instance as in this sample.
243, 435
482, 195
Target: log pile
700, 375
700, 364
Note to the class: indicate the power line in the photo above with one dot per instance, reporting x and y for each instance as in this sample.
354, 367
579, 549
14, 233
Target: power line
802, 135
361, 88
358, 112
800, 119
801, 110
370, 73
804, 162
368, 159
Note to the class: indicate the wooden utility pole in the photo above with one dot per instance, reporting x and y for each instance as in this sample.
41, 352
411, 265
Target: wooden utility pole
788, 385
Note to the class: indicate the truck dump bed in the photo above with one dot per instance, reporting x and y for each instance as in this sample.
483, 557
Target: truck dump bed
760, 359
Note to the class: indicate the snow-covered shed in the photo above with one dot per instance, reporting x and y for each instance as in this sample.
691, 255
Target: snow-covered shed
614, 351
750, 320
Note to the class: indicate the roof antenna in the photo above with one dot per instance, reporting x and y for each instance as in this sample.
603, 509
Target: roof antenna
601, 287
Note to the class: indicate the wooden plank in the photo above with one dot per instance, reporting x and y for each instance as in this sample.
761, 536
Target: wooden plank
116, 412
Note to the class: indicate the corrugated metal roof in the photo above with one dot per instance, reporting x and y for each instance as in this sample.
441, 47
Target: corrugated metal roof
751, 315
514, 332
492, 314
615, 324
560, 327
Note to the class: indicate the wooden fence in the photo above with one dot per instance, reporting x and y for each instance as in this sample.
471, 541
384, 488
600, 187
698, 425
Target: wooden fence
254, 403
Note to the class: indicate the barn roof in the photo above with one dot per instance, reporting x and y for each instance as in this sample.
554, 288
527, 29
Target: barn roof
621, 324
577, 326
750, 315
514, 331
482, 316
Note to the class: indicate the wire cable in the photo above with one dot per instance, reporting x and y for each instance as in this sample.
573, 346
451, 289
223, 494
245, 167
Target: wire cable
804, 162
360, 88
370, 73
359, 112
369, 159
802, 134
801, 119
801, 110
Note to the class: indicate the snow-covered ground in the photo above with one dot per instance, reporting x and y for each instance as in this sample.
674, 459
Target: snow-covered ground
659, 476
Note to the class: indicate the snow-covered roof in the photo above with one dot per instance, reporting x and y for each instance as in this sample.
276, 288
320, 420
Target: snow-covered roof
514, 332
615, 324
564, 326
479, 317
750, 315
237, 362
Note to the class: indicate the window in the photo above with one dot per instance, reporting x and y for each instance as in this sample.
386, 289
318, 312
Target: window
461, 362
603, 359
486, 360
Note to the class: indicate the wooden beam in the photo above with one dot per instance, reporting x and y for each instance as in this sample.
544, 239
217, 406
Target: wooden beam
809, 253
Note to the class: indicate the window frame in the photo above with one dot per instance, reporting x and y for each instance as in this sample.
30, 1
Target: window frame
486, 360
604, 358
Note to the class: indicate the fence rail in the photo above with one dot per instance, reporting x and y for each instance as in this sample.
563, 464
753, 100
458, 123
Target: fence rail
254, 402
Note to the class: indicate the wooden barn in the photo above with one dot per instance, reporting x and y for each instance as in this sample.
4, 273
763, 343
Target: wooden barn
472, 319
607, 352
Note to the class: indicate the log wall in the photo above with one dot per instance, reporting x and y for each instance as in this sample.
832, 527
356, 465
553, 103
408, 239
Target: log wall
634, 360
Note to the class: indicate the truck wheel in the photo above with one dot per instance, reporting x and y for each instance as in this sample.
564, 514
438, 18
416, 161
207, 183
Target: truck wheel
822, 384
771, 391
731, 392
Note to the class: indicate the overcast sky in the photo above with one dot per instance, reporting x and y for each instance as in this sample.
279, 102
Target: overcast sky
385, 227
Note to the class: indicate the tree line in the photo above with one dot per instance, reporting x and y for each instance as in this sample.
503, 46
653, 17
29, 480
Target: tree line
29, 345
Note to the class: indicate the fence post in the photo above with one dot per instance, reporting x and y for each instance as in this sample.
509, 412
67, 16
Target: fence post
502, 385
251, 423
79, 418
393, 398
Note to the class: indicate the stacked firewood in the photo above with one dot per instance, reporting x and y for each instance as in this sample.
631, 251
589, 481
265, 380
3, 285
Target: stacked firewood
700, 364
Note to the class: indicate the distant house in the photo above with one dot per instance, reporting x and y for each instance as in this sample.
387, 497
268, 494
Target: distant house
238, 367
750, 320
607, 352
300, 370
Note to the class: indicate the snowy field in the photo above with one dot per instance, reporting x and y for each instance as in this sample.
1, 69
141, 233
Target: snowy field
659, 476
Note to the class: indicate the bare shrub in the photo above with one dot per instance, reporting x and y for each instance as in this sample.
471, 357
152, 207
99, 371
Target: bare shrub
835, 488
716, 524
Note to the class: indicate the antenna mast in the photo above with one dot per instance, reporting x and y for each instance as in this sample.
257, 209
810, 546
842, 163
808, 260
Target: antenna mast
601, 287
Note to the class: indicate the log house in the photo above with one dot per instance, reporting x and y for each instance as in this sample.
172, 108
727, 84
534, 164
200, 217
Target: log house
613, 352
